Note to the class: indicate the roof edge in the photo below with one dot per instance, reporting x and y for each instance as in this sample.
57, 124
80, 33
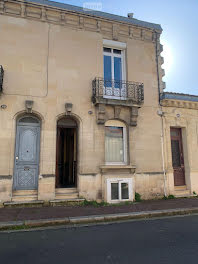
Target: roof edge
94, 13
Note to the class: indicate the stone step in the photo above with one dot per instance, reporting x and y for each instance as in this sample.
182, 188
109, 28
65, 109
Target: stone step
61, 202
18, 198
63, 196
25, 192
182, 193
182, 187
65, 190
36, 203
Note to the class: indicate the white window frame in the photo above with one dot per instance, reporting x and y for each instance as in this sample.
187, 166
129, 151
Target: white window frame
117, 123
119, 181
113, 55
120, 46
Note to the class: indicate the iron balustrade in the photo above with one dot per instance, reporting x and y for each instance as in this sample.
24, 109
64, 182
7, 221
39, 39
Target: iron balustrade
1, 78
113, 89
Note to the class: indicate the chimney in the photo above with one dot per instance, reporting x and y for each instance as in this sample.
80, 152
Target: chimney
130, 15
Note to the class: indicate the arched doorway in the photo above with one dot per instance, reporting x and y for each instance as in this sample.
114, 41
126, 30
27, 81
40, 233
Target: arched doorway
66, 153
27, 149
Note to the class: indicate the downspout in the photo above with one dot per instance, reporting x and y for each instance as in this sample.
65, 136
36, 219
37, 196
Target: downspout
160, 113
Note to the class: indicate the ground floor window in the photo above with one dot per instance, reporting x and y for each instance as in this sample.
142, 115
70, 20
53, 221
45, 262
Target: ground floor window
119, 190
115, 142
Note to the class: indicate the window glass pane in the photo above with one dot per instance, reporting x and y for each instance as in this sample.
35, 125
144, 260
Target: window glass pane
124, 190
114, 191
174, 133
114, 147
107, 71
117, 72
175, 153
116, 51
28, 120
107, 49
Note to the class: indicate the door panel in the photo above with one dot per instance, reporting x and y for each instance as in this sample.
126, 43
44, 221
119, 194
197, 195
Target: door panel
177, 157
27, 157
27, 143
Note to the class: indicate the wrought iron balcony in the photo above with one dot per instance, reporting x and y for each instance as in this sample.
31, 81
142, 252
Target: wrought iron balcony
117, 92
1, 78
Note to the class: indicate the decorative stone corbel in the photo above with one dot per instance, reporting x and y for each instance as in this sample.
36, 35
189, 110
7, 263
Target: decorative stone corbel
98, 26
117, 111
43, 14
68, 108
81, 22
115, 31
2, 6
134, 116
23, 10
63, 18
101, 114
29, 105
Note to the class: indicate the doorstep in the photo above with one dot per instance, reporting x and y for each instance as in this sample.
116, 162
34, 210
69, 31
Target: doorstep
62, 202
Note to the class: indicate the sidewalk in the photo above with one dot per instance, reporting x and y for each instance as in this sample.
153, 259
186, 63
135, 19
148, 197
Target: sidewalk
12, 217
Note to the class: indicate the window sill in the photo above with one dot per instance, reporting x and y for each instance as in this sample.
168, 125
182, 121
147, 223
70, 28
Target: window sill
118, 168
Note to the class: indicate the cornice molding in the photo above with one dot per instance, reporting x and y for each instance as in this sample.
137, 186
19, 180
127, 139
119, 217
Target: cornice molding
112, 29
179, 104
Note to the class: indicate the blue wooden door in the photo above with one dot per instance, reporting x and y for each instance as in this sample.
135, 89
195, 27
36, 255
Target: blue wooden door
27, 154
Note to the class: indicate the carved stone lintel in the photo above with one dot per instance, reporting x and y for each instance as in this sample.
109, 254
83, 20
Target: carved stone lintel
134, 116
68, 108
117, 111
101, 114
29, 105
115, 31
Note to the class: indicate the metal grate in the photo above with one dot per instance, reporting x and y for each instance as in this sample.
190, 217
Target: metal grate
1, 78
114, 89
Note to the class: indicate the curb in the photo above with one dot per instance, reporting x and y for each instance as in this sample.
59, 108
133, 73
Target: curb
26, 224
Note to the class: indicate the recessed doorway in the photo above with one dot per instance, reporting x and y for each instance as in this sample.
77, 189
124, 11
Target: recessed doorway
66, 153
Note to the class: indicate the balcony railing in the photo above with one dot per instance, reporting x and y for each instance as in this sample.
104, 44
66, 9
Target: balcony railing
132, 92
1, 78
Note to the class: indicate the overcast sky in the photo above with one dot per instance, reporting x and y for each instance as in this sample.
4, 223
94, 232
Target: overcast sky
179, 20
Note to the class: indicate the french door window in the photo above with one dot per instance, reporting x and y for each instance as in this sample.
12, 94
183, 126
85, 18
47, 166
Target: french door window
113, 72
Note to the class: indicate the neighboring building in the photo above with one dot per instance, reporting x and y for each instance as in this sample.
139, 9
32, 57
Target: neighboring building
180, 121
80, 113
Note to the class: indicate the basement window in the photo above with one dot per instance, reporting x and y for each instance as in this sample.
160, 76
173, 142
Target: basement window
119, 190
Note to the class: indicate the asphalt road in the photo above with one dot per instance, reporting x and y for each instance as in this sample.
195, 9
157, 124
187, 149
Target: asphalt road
168, 240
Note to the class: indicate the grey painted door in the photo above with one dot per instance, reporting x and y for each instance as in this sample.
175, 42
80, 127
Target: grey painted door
27, 154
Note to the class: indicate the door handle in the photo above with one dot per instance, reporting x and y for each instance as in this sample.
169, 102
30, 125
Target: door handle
17, 158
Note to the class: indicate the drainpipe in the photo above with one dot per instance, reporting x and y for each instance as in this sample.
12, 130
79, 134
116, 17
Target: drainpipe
161, 114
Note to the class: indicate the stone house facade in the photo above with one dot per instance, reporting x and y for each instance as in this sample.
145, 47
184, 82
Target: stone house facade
83, 113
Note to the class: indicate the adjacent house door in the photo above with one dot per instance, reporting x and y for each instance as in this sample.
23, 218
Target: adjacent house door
27, 154
66, 153
177, 156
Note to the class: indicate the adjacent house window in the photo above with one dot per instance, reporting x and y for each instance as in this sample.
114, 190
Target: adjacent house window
119, 190
115, 142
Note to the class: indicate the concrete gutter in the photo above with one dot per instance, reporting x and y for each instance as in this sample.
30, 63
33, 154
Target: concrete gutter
26, 224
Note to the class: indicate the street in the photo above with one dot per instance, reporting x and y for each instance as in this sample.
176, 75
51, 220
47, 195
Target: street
168, 240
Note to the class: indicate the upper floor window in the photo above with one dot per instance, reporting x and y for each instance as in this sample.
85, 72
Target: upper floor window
115, 142
114, 68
